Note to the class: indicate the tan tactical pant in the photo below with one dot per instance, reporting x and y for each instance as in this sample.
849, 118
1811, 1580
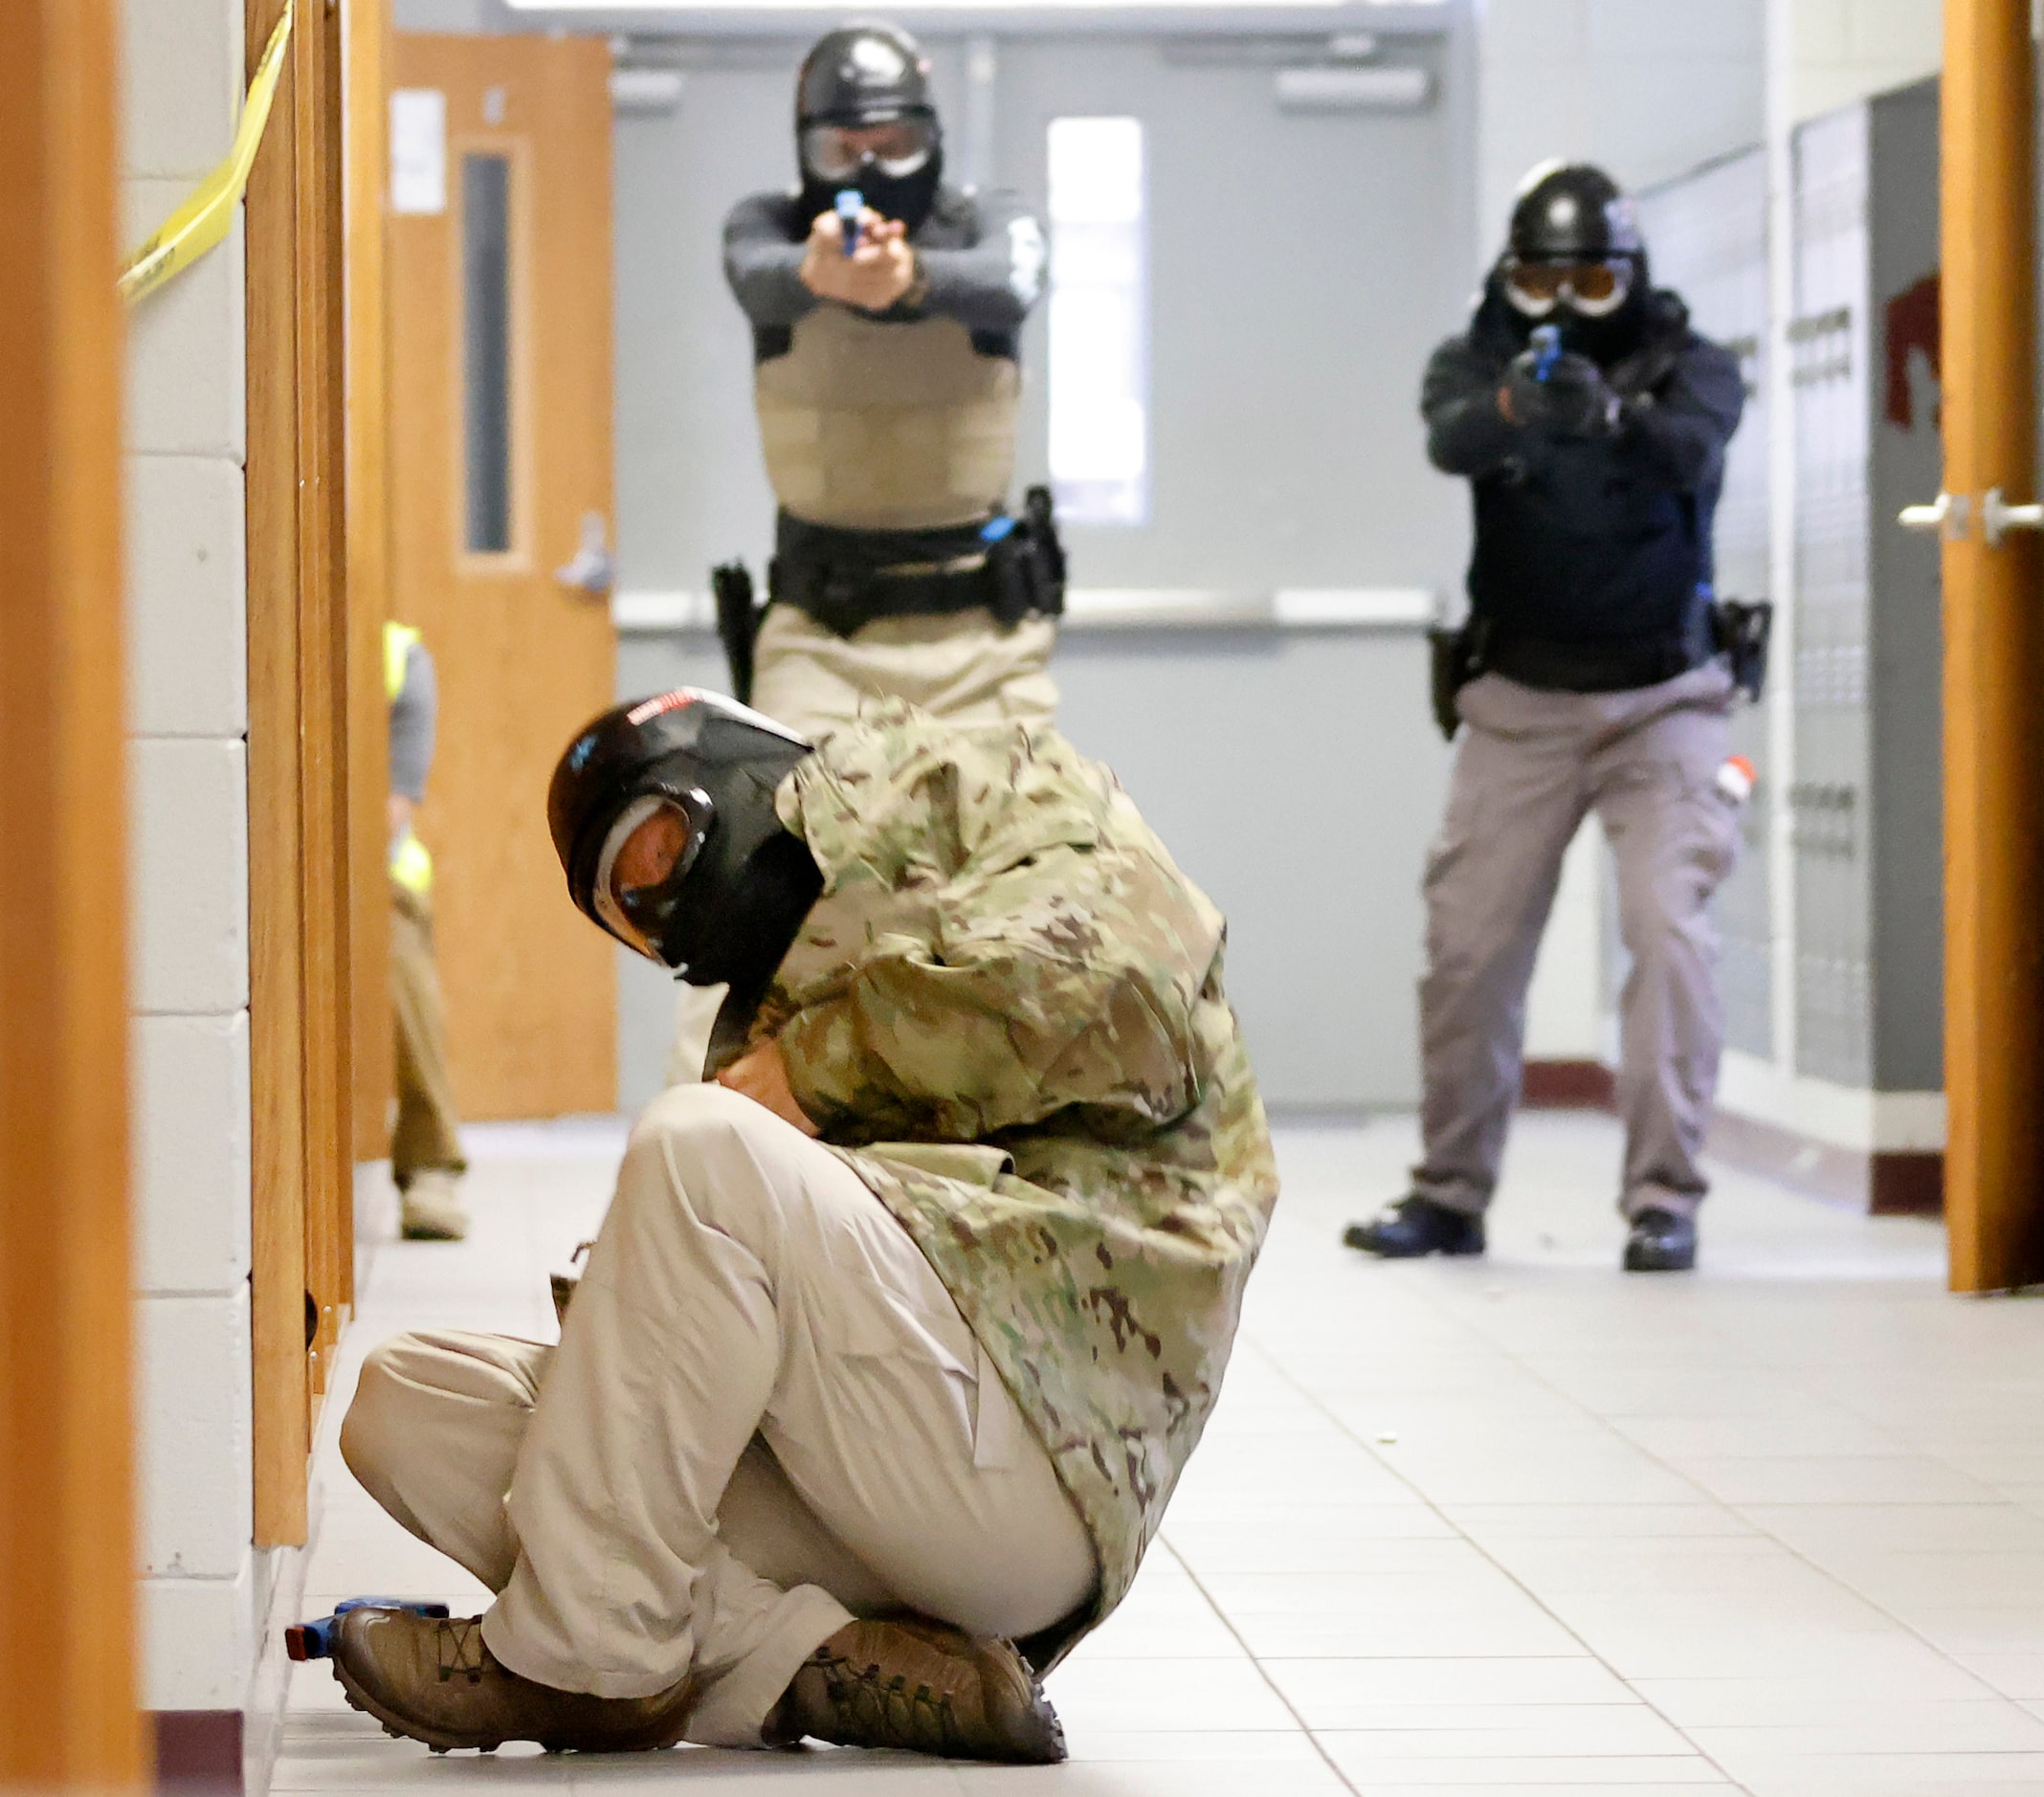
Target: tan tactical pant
962, 668
1531, 767
425, 1135
766, 1413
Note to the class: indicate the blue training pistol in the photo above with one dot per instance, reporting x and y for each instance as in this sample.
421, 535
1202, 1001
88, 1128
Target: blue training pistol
315, 1640
851, 203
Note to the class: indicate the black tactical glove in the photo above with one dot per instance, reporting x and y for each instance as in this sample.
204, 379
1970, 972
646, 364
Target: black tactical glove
1573, 400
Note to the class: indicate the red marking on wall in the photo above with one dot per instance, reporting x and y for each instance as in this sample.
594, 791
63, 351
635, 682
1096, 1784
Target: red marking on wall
1913, 323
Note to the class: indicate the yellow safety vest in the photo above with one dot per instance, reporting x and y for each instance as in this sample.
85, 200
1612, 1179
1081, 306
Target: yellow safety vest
410, 866
398, 639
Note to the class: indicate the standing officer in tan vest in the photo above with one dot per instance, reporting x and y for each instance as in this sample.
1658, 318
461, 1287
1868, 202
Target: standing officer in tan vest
885, 309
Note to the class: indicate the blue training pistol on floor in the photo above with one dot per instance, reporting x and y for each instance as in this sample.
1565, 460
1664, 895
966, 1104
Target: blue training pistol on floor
315, 1640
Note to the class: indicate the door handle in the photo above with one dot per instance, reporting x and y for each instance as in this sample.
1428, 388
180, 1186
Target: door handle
1998, 518
1951, 514
591, 569
1927, 518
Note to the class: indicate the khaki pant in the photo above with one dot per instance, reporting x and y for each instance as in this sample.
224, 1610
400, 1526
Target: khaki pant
1532, 766
425, 1135
962, 668
765, 1413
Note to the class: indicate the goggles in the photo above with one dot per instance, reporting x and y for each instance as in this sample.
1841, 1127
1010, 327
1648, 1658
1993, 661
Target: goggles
645, 857
898, 147
1594, 289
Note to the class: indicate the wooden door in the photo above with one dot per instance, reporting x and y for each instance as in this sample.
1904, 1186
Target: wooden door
499, 460
68, 1720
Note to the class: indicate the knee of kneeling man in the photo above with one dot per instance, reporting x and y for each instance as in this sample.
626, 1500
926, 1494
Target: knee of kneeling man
376, 1419
686, 1128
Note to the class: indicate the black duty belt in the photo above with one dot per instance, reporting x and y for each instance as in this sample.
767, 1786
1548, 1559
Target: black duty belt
845, 579
1613, 665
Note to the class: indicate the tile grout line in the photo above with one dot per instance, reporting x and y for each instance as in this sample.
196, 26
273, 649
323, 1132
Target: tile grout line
1262, 1671
1491, 1559
1760, 1529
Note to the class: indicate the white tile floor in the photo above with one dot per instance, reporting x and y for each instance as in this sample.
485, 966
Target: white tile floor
1520, 1525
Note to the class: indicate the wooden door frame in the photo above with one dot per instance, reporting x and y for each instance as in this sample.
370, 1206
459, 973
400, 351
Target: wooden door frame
368, 562
1993, 655
300, 973
68, 1716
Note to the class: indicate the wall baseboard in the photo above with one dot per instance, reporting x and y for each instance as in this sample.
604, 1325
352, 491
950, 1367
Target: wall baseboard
1884, 1183
197, 1751
1567, 1086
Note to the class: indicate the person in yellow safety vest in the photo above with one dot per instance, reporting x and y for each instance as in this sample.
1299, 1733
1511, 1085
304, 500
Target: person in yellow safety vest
425, 1159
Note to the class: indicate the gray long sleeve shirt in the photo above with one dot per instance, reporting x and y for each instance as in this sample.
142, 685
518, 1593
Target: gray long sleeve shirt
982, 254
413, 714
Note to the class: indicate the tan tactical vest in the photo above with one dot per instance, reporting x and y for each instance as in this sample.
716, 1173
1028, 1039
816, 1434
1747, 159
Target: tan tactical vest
887, 427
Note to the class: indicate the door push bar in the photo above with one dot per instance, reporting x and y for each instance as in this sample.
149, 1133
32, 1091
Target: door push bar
1951, 515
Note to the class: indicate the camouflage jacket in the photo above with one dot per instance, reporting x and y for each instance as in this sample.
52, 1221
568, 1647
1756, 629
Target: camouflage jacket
1006, 1013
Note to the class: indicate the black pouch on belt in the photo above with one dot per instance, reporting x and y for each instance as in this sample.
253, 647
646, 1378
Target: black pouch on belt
1454, 658
1742, 633
1026, 563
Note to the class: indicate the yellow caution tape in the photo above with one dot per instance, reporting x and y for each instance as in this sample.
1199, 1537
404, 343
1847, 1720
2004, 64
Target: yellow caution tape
203, 220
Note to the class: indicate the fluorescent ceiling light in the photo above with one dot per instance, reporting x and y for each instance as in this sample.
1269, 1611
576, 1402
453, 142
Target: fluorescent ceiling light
917, 7
645, 90
1351, 89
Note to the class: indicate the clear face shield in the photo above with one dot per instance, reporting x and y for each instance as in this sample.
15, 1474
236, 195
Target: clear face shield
896, 147
1591, 289
646, 858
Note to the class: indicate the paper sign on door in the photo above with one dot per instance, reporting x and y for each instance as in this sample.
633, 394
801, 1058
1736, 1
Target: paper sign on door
419, 150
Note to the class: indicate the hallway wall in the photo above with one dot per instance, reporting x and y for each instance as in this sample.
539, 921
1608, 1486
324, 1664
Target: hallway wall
187, 717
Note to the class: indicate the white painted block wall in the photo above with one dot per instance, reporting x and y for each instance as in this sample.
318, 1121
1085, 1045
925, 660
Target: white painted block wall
188, 720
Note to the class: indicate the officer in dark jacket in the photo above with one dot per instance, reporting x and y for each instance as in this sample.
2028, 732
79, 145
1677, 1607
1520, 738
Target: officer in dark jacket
885, 308
1591, 423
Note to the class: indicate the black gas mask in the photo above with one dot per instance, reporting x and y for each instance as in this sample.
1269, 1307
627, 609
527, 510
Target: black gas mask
1575, 261
662, 814
864, 124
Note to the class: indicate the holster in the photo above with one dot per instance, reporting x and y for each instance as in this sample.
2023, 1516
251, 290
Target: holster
1742, 632
1029, 564
1454, 658
738, 624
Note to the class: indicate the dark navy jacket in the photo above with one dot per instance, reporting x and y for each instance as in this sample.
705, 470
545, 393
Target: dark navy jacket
1602, 543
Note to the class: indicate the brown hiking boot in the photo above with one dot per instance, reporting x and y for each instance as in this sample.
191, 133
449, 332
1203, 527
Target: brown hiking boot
909, 1682
433, 1680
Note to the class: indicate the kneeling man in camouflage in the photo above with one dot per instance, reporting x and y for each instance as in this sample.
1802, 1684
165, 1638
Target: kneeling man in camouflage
899, 1335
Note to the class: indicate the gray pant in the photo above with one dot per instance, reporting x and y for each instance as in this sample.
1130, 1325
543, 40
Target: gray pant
1532, 766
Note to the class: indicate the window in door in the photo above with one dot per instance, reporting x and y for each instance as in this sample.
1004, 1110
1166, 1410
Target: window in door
486, 350
1099, 321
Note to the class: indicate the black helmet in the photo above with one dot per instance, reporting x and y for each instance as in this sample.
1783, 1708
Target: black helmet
662, 814
1572, 212
854, 81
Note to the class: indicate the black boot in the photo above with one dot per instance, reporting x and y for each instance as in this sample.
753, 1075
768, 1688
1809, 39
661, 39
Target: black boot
1662, 1242
1417, 1226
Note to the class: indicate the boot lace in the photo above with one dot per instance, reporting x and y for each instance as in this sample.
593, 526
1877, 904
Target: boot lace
871, 1706
460, 1648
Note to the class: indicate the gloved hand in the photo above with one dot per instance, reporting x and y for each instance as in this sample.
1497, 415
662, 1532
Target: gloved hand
1573, 400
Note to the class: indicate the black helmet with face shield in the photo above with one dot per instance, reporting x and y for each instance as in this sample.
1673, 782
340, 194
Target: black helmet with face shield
864, 121
1575, 245
662, 812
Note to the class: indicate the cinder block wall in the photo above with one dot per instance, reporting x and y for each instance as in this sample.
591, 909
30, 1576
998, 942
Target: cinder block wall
186, 724
1848, 50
